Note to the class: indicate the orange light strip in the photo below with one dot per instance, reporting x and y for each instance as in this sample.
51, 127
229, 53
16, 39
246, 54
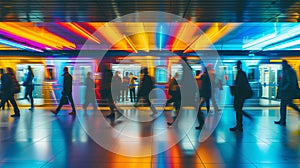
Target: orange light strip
39, 35
84, 33
130, 43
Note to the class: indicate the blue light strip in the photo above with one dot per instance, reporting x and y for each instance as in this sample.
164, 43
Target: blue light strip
261, 43
283, 45
16, 45
160, 38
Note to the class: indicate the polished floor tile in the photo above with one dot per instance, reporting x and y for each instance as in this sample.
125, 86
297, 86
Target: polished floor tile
139, 139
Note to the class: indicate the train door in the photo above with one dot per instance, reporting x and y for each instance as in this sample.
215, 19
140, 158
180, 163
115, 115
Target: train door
269, 75
38, 80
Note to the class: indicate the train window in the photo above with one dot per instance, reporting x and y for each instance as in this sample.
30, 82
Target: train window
251, 74
161, 74
50, 73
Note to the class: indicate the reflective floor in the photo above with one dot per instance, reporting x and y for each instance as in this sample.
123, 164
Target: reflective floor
40, 139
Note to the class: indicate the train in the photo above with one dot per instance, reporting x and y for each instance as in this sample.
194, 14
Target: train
263, 75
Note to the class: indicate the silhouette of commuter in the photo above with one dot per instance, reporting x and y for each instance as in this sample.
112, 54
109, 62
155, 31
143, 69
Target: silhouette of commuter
29, 87
106, 90
116, 86
205, 90
287, 91
9, 87
146, 85
125, 87
241, 90
2, 91
174, 92
132, 80
212, 77
203, 82
66, 93
90, 96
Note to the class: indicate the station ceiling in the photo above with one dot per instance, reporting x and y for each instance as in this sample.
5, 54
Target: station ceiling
44, 26
107, 10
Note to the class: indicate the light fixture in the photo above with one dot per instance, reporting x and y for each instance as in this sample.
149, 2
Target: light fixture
21, 46
283, 45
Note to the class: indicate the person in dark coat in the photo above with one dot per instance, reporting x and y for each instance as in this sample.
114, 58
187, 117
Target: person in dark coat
8, 88
106, 92
66, 93
2, 91
146, 85
242, 91
174, 92
205, 94
287, 91
29, 87
90, 96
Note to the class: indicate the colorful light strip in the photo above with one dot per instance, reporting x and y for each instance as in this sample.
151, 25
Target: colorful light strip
30, 32
283, 45
82, 32
214, 33
12, 44
130, 43
293, 32
38, 34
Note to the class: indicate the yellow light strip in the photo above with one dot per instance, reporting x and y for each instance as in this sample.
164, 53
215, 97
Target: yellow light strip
39, 35
83, 32
213, 34
130, 43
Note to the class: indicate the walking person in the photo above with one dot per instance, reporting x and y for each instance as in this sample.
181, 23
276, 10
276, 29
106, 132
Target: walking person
29, 87
212, 76
146, 85
66, 93
2, 91
132, 87
90, 96
205, 93
174, 92
106, 92
116, 86
287, 91
9, 87
241, 90
125, 87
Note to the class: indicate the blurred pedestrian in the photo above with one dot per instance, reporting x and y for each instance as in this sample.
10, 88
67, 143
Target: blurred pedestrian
132, 87
29, 87
241, 91
174, 92
2, 91
66, 93
288, 89
116, 86
90, 96
10, 86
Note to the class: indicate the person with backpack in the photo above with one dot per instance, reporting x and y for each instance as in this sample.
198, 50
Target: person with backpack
10, 86
241, 91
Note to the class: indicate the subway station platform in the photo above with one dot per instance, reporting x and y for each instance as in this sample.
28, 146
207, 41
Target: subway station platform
40, 139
